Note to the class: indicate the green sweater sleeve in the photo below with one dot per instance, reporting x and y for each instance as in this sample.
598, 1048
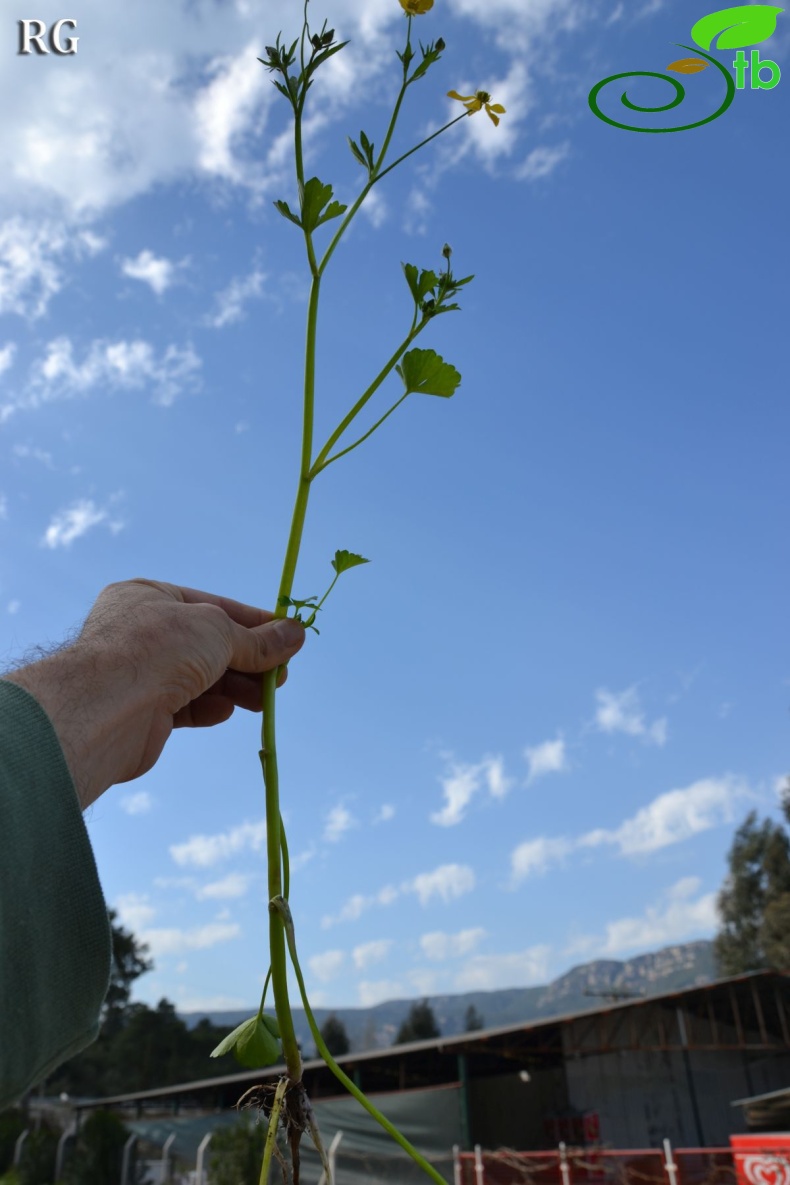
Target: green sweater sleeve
55, 941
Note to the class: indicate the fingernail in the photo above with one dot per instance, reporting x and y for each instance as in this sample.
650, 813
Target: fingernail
289, 632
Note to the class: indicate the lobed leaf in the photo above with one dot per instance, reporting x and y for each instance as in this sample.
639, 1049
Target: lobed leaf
315, 198
333, 210
424, 372
286, 212
357, 153
347, 559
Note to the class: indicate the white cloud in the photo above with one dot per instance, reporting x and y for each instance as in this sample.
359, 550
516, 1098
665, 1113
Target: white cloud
463, 782
534, 856
230, 302
385, 813
202, 851
541, 162
674, 817
134, 911
448, 881
7, 357
375, 208
127, 365
372, 992
137, 804
440, 946
29, 275
678, 917
187, 1003
622, 713
158, 272
669, 819
338, 822
235, 884
32, 255
357, 904
518, 969
368, 953
548, 758
174, 941
326, 966
225, 112
302, 858
38, 454
74, 522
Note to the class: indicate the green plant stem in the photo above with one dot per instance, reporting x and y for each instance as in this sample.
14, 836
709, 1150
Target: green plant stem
320, 461
337, 456
271, 1134
268, 751
280, 906
341, 230
279, 969
417, 147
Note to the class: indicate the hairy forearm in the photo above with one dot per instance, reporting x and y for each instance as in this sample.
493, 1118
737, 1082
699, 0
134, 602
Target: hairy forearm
87, 695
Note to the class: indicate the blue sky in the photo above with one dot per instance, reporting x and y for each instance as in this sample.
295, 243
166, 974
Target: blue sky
531, 725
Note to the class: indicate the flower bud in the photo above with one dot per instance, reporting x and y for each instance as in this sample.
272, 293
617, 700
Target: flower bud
447, 250
440, 45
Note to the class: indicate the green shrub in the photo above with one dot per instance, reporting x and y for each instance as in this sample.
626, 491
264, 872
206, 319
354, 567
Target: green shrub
97, 1156
236, 1154
37, 1164
12, 1124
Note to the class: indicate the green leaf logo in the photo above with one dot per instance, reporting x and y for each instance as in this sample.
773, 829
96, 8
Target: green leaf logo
425, 373
688, 66
748, 24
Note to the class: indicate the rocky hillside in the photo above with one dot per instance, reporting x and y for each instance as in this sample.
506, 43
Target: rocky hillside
587, 986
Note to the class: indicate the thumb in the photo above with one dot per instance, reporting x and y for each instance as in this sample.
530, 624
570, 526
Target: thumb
274, 644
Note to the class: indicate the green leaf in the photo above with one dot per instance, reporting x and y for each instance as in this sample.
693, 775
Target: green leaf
333, 210
316, 196
286, 212
357, 153
428, 281
327, 53
747, 24
347, 559
425, 373
411, 273
255, 1042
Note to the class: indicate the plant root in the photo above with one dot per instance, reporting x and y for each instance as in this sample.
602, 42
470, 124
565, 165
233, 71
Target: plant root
296, 1116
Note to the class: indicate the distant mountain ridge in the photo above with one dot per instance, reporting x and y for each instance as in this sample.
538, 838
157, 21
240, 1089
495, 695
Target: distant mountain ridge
670, 969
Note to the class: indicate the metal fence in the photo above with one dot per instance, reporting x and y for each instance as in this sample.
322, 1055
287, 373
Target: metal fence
600, 1166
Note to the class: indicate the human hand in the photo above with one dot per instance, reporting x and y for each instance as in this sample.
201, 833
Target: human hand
152, 657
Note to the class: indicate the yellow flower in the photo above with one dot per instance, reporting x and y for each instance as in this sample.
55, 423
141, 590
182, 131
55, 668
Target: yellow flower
477, 102
416, 7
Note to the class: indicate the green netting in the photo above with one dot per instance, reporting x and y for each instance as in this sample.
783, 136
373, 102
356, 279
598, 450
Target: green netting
429, 1119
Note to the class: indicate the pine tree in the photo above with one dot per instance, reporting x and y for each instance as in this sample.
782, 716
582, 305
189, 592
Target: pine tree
128, 964
335, 1036
754, 902
419, 1025
473, 1021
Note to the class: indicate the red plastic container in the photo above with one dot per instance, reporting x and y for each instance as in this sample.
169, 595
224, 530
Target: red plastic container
762, 1158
